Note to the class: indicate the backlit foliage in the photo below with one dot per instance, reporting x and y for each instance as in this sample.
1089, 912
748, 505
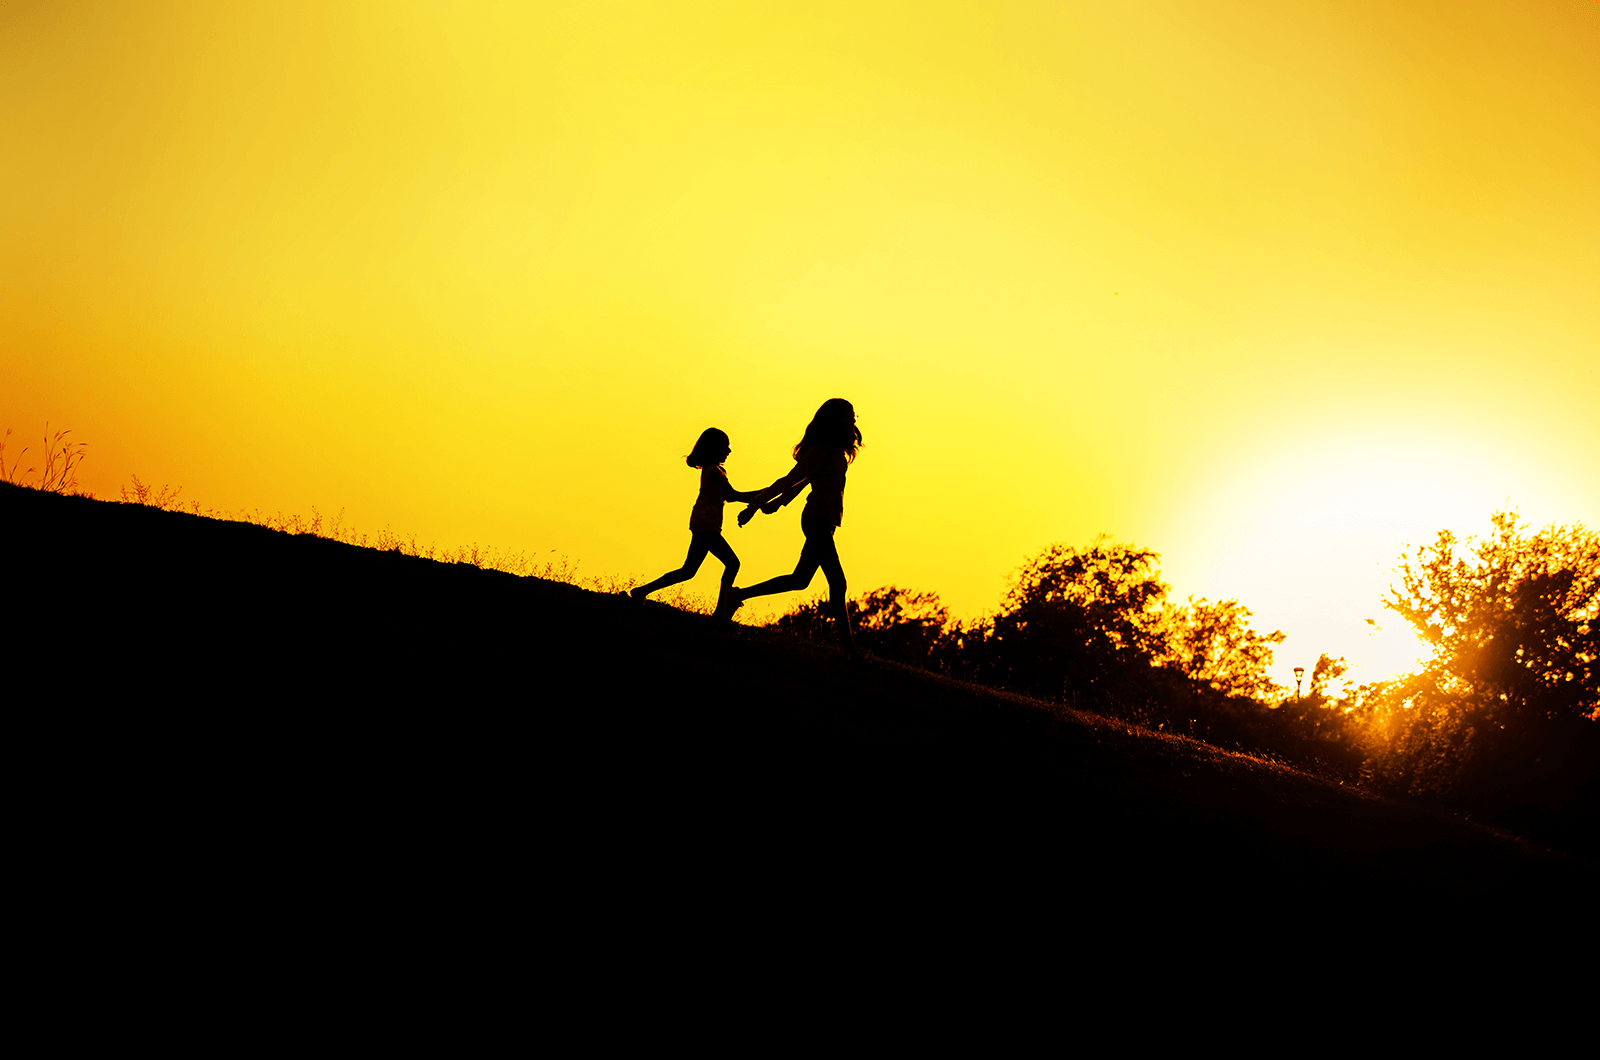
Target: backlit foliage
890, 622
1213, 643
1075, 623
1512, 623
1078, 622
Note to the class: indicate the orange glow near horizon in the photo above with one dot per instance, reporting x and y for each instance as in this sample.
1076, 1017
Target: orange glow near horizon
1271, 290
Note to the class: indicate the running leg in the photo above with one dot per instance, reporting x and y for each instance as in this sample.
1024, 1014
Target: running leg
804, 571
730, 569
838, 593
699, 545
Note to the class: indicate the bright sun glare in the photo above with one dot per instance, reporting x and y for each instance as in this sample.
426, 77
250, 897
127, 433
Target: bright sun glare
1315, 554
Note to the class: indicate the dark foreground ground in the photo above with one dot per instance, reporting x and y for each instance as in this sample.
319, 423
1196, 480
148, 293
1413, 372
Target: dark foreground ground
223, 721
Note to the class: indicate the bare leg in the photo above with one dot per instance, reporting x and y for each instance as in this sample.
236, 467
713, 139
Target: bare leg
699, 545
804, 571
838, 593
819, 552
730, 567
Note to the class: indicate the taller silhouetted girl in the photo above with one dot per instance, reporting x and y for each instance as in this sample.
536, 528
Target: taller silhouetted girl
821, 459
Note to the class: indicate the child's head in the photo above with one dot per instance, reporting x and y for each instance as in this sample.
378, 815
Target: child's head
712, 448
834, 427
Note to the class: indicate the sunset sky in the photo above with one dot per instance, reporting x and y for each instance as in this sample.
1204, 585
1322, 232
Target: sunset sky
1270, 288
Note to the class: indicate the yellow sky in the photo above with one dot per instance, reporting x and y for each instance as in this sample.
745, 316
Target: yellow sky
1269, 288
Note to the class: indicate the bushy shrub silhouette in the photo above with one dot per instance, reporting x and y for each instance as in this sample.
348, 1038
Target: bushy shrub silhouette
1077, 624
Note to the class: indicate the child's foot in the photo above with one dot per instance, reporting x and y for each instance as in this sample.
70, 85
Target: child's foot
731, 601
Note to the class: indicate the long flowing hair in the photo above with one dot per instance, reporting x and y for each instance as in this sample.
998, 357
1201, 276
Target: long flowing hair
833, 427
709, 449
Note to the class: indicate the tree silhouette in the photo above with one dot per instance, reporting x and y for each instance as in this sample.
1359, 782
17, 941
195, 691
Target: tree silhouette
1212, 643
1512, 623
1076, 623
902, 624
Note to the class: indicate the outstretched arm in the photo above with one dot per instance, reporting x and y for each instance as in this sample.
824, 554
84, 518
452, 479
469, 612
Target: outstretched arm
785, 497
779, 493
760, 497
786, 488
789, 486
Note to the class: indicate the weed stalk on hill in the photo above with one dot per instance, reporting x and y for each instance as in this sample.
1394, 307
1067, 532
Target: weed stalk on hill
165, 498
61, 460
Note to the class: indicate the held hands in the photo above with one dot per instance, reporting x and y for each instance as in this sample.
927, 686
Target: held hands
767, 509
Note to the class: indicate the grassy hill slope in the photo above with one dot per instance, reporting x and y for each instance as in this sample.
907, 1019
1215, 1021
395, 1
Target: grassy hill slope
280, 701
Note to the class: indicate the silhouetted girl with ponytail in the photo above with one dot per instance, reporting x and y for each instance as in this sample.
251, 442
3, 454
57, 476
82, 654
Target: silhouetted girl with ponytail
705, 521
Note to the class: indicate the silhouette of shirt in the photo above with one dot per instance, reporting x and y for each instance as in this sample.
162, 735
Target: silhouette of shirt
714, 492
824, 470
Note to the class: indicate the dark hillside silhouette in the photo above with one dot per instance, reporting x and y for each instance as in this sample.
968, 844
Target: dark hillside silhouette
219, 698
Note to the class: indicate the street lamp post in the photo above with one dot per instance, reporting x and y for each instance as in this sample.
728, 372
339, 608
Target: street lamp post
1299, 672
